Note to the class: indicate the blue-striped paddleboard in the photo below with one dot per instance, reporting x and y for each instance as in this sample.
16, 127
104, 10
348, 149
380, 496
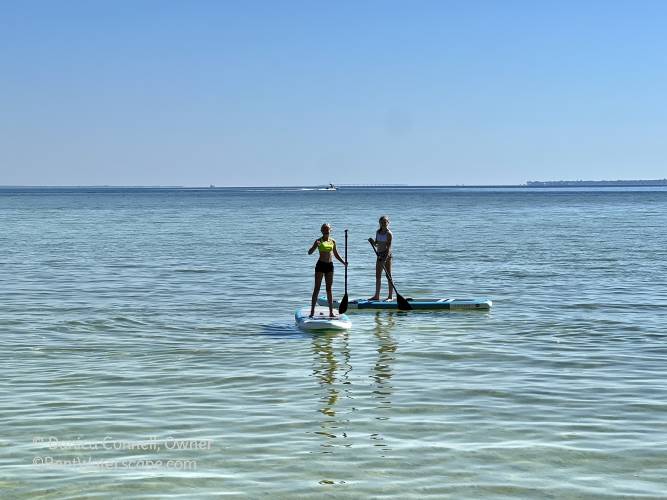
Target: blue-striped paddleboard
321, 320
480, 303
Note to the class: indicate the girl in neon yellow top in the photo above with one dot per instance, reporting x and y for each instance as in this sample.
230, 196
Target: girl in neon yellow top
324, 267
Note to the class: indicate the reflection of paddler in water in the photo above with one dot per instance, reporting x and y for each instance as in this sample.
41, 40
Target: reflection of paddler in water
331, 370
382, 371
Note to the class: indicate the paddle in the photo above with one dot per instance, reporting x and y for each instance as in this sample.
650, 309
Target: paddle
403, 304
343, 303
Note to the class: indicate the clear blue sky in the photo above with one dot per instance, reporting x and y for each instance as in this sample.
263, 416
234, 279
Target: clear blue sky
246, 93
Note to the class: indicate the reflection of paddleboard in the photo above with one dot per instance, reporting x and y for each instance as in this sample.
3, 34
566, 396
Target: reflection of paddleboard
430, 303
321, 320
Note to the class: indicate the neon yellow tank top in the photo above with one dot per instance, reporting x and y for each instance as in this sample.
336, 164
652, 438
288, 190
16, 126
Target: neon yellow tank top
326, 246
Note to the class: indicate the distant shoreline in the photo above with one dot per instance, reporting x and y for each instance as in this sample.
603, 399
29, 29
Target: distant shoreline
620, 183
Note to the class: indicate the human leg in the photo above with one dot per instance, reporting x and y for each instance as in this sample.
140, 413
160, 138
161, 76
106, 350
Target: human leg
387, 265
316, 292
378, 280
328, 277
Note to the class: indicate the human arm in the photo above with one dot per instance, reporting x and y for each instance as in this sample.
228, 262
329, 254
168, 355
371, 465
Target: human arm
315, 245
384, 249
335, 252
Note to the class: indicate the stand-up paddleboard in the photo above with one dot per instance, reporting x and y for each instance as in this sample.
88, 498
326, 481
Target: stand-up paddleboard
321, 320
481, 303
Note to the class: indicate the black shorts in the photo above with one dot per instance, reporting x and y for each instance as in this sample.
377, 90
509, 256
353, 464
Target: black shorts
324, 267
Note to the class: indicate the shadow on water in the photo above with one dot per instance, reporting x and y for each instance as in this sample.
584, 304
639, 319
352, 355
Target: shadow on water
383, 370
284, 330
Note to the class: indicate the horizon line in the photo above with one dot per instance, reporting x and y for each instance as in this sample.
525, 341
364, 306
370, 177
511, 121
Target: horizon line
553, 183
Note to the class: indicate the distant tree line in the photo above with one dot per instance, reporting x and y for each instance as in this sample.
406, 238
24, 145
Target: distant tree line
654, 182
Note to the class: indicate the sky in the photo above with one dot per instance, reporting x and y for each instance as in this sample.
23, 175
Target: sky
283, 93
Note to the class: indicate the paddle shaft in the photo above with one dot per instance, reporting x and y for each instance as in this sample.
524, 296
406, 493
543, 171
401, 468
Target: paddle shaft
346, 262
343, 303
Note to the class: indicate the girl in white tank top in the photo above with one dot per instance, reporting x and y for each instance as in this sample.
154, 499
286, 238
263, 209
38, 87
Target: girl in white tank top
382, 244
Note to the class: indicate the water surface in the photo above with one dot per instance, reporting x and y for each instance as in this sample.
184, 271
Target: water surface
163, 318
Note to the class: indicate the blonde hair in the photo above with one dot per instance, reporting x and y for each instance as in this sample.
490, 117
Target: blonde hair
326, 224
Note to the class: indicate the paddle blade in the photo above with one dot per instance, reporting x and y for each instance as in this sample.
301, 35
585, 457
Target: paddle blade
402, 303
343, 305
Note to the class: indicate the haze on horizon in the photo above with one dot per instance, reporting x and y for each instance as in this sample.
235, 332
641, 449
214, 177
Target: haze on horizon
302, 93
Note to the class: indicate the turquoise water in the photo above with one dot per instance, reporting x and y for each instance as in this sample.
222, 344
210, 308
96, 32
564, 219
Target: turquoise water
149, 347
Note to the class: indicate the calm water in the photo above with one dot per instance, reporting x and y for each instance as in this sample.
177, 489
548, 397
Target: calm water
149, 347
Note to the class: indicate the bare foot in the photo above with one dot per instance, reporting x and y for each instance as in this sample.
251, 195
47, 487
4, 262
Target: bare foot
389, 299
375, 297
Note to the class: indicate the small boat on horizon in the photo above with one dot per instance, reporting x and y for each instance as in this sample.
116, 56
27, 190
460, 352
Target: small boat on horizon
331, 187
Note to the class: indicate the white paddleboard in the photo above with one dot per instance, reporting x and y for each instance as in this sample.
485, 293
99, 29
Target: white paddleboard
321, 320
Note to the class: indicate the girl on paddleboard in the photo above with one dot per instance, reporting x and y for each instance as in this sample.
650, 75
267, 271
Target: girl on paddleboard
382, 244
324, 267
